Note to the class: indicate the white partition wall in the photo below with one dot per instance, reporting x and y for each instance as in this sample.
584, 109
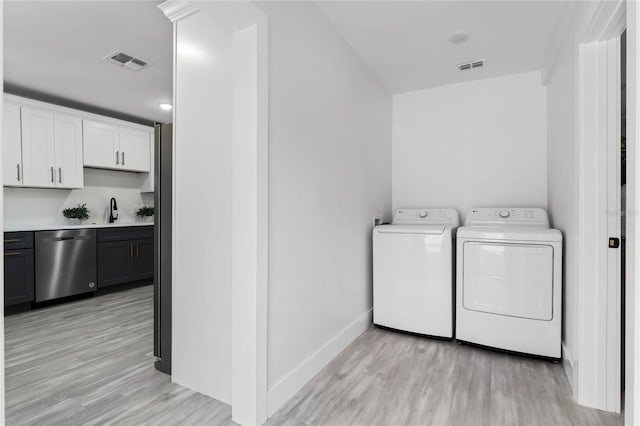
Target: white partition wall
329, 173
201, 352
220, 203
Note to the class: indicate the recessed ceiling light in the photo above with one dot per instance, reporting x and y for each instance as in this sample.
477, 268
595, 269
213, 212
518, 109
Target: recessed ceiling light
165, 106
458, 37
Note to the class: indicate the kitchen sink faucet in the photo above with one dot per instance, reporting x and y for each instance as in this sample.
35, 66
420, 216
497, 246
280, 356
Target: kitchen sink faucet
113, 210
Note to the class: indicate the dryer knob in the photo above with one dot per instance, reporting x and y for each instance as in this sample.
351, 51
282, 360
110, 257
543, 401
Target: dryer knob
423, 214
504, 214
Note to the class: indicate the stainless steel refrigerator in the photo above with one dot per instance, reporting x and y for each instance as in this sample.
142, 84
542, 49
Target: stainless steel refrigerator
162, 246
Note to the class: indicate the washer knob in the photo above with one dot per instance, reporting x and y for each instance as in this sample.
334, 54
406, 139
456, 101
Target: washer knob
504, 214
423, 214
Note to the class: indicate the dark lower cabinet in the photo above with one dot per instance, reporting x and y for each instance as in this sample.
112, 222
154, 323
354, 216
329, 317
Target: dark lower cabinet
18, 277
142, 265
124, 255
113, 263
19, 281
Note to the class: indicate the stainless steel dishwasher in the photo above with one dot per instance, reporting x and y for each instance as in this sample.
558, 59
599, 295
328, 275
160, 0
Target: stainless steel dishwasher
65, 263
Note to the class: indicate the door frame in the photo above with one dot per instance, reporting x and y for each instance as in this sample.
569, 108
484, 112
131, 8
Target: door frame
632, 319
599, 297
2, 387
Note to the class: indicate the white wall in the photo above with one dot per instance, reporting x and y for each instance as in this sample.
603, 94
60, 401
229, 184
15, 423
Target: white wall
475, 144
563, 187
202, 208
38, 206
329, 173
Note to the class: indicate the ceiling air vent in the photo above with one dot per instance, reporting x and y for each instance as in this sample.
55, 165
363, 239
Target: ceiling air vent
471, 65
126, 61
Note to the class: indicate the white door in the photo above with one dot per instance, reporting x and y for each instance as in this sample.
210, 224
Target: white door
134, 149
100, 145
38, 157
68, 151
11, 146
614, 225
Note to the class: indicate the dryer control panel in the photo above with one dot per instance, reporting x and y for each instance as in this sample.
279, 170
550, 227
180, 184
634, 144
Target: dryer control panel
448, 217
488, 216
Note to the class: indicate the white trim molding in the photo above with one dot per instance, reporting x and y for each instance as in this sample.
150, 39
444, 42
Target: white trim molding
597, 351
176, 10
592, 225
632, 319
287, 386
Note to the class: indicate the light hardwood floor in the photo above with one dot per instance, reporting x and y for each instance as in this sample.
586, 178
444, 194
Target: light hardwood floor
90, 362
389, 378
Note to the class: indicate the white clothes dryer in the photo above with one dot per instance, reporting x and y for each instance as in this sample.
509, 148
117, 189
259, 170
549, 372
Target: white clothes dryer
413, 272
509, 281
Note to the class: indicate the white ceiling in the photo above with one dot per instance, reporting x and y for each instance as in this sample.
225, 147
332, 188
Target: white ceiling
56, 47
404, 43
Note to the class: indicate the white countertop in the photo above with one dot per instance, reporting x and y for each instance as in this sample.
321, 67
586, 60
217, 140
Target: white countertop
18, 228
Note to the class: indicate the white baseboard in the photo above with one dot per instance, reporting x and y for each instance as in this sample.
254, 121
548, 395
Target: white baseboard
567, 364
287, 387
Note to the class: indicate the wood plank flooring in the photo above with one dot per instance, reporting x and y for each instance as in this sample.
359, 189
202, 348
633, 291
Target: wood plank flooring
388, 378
90, 362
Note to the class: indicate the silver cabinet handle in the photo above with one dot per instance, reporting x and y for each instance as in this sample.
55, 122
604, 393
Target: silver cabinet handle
59, 174
18, 167
52, 178
123, 158
117, 157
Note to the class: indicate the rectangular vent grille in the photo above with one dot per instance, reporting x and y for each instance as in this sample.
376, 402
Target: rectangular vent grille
126, 61
471, 65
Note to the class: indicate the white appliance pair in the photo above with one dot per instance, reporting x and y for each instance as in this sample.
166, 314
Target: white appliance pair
508, 277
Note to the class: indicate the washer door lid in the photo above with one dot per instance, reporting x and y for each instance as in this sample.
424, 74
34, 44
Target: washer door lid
509, 279
411, 229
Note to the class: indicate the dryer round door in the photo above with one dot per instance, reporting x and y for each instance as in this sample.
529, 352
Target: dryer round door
508, 279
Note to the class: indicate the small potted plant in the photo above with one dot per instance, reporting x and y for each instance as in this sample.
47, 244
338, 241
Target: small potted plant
145, 213
76, 215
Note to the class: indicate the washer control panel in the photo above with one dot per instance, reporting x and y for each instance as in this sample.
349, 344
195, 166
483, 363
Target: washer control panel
447, 217
485, 216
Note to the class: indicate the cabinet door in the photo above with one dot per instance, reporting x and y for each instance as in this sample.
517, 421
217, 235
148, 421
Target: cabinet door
134, 149
148, 184
100, 145
68, 151
114, 260
142, 262
11, 146
38, 147
18, 277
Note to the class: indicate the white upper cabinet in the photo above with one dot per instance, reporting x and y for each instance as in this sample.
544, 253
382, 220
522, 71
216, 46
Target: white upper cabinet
41, 148
100, 144
11, 145
110, 146
38, 158
68, 151
148, 183
48, 146
135, 150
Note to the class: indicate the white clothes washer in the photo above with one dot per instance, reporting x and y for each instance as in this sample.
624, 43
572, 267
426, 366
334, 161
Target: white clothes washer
509, 281
413, 272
